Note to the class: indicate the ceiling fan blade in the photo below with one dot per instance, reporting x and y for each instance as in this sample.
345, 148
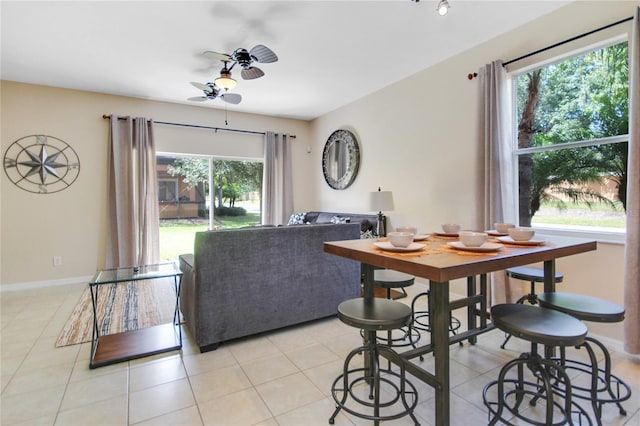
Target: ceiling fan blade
251, 73
203, 87
232, 98
198, 99
263, 54
217, 56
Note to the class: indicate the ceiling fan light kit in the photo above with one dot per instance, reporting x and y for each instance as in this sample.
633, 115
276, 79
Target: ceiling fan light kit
225, 81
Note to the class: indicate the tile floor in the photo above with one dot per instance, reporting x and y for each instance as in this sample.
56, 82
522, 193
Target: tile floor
279, 378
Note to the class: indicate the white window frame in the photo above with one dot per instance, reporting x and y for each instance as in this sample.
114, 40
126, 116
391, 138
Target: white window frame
608, 235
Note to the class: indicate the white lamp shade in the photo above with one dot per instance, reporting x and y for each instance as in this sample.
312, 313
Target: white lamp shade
381, 200
226, 82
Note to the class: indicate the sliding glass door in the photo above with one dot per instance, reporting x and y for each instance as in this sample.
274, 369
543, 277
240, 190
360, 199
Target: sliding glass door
188, 205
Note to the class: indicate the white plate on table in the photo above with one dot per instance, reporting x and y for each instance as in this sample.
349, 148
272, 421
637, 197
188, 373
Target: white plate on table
446, 234
532, 242
420, 237
495, 233
390, 247
486, 247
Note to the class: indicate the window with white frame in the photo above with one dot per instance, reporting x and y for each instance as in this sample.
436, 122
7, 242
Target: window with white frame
167, 189
572, 121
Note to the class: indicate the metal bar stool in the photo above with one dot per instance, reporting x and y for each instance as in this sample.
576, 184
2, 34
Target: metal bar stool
605, 387
389, 279
540, 327
533, 275
385, 387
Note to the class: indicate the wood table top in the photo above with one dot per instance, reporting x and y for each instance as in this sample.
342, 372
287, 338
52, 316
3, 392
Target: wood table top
439, 262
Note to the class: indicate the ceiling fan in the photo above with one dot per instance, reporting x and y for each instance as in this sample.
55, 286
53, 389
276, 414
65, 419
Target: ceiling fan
211, 91
259, 53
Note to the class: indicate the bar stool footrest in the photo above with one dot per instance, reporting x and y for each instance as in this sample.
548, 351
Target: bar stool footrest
615, 390
577, 415
397, 388
549, 378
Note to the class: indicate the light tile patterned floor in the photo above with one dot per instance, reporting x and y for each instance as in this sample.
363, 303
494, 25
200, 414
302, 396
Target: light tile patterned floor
279, 378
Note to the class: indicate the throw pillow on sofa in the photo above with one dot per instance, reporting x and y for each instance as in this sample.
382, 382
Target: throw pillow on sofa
340, 219
297, 218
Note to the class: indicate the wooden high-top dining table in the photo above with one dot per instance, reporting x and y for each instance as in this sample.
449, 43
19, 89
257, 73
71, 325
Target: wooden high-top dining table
440, 263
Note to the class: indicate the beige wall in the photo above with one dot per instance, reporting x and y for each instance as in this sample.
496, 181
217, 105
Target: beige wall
418, 139
72, 223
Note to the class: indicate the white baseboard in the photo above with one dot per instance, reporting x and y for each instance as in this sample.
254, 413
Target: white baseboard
42, 284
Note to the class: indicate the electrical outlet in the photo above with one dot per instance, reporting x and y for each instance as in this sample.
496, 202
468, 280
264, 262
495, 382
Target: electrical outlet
57, 260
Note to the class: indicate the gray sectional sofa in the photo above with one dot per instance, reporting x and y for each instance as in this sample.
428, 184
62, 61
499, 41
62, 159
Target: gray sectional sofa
246, 281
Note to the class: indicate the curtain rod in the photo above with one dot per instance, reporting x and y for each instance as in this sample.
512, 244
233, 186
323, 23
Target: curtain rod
567, 41
104, 116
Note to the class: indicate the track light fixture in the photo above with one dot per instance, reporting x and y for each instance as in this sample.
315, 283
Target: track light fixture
443, 7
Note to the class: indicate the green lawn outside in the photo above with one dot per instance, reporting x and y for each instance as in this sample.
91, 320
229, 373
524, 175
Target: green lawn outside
600, 223
580, 214
176, 236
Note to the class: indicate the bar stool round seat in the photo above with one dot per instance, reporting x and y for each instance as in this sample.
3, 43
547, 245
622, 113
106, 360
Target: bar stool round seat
586, 308
372, 388
374, 314
540, 327
533, 275
605, 387
389, 279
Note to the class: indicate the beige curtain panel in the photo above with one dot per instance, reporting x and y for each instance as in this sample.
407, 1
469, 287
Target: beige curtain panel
496, 141
132, 228
277, 181
632, 253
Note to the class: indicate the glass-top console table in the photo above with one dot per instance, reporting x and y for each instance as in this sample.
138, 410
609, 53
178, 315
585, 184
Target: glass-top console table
113, 348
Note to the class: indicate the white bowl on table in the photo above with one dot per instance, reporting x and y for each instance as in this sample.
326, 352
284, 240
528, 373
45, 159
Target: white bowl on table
521, 234
400, 239
473, 239
451, 228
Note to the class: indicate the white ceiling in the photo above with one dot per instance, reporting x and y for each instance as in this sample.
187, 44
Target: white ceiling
331, 52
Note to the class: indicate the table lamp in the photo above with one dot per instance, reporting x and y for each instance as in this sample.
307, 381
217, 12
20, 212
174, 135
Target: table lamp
378, 201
